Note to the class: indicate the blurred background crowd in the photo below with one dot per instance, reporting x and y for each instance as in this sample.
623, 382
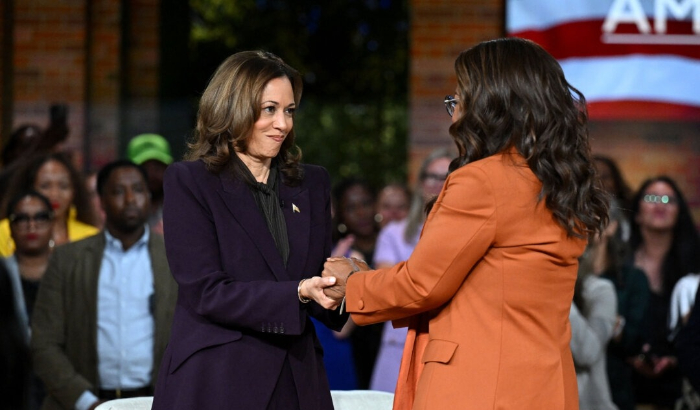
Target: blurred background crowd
86, 82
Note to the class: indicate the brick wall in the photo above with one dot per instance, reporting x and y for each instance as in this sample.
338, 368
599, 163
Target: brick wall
441, 29
48, 62
3, 71
70, 52
142, 70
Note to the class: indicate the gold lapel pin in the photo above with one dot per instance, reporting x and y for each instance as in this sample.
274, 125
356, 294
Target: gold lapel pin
295, 208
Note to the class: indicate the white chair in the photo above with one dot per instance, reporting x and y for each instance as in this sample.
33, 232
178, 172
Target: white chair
362, 400
136, 403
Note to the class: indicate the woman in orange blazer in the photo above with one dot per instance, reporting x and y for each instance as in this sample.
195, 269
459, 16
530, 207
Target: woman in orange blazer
487, 291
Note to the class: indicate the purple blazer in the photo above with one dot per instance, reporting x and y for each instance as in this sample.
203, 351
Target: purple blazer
238, 315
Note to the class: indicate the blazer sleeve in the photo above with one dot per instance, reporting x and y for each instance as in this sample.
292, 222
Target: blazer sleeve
193, 252
591, 333
457, 234
51, 363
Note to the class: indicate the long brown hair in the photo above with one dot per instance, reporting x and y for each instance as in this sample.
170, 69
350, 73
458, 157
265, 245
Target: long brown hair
513, 94
230, 106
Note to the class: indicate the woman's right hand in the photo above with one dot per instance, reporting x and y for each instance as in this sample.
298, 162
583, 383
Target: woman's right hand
312, 288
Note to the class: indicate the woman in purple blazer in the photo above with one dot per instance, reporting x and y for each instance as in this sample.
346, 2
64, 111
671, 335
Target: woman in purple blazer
247, 230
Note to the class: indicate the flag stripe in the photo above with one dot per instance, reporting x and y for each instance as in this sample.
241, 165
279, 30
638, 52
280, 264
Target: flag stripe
624, 73
585, 39
642, 110
523, 15
667, 79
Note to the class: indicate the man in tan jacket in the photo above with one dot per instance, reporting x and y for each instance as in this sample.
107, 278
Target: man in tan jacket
104, 309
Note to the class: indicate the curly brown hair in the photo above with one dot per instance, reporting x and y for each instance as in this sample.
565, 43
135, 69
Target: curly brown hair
230, 107
513, 94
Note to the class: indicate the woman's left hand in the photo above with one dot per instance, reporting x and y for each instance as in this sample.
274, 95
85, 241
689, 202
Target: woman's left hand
312, 288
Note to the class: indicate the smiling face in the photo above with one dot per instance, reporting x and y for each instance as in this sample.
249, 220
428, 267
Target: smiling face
276, 120
54, 182
656, 215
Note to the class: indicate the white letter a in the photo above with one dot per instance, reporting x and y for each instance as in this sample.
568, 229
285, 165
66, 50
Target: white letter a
626, 11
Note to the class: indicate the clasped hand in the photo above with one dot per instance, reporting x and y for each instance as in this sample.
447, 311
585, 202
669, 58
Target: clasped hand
340, 268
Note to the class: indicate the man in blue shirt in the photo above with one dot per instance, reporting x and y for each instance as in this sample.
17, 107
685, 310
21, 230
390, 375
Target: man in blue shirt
105, 305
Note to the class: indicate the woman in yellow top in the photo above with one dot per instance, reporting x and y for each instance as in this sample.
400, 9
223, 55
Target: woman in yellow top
53, 176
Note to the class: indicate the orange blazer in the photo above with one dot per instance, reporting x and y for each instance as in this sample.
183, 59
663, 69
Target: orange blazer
487, 293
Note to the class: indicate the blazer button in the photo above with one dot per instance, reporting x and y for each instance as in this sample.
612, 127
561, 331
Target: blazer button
361, 304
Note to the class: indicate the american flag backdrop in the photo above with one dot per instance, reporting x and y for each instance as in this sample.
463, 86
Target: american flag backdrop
632, 59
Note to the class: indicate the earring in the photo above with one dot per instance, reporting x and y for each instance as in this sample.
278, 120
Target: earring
52, 243
342, 228
378, 218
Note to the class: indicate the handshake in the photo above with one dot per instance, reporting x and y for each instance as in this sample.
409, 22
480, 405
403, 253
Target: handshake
329, 290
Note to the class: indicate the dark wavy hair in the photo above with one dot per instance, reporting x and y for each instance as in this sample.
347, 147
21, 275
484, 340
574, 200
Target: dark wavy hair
26, 177
683, 257
513, 94
230, 106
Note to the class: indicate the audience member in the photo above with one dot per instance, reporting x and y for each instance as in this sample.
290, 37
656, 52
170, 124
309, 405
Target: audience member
31, 221
615, 185
29, 140
665, 246
593, 317
14, 353
355, 203
53, 176
613, 181
23, 142
103, 313
688, 345
682, 301
395, 244
632, 290
392, 204
152, 152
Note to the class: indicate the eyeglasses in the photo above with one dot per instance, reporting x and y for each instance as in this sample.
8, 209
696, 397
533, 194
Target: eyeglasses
22, 221
450, 104
660, 199
434, 177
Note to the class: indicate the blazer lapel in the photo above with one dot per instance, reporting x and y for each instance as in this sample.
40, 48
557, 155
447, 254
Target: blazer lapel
90, 278
240, 202
297, 215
